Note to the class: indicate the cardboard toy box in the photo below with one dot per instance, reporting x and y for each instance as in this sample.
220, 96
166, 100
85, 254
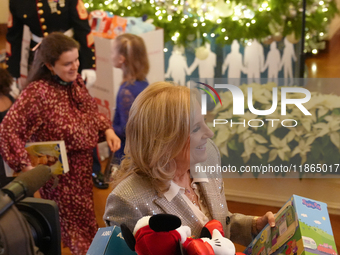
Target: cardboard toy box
109, 240
302, 227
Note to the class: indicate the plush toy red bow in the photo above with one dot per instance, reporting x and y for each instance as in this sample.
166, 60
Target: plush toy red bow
163, 234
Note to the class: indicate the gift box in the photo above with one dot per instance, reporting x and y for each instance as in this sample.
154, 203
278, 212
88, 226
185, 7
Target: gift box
105, 24
109, 240
109, 78
302, 226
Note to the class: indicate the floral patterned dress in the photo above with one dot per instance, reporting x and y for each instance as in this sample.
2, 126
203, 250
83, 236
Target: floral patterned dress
47, 111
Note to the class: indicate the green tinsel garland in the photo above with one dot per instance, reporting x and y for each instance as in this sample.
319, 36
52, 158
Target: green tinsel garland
278, 18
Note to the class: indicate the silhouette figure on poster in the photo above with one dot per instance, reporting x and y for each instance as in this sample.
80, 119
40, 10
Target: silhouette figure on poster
253, 60
206, 67
233, 62
177, 66
273, 62
286, 62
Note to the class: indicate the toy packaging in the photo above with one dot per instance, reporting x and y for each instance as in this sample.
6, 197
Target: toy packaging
107, 241
107, 25
302, 227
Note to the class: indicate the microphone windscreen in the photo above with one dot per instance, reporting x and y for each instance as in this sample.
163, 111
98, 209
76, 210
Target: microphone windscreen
34, 179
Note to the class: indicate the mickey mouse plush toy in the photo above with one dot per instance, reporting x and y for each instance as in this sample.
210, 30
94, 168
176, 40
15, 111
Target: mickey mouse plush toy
164, 234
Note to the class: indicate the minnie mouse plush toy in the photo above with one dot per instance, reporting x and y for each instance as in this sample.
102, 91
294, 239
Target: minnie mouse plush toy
164, 234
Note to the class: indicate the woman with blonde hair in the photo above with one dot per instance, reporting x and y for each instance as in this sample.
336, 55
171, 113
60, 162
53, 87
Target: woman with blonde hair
166, 137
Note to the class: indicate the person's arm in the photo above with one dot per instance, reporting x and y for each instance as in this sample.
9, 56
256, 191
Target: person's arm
21, 121
125, 102
119, 210
14, 40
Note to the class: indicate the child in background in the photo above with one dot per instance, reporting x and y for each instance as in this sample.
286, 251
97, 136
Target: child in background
130, 55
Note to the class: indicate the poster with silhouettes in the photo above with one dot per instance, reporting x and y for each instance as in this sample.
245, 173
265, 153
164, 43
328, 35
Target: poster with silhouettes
252, 61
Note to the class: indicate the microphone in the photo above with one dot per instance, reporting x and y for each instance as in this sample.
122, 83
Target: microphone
27, 183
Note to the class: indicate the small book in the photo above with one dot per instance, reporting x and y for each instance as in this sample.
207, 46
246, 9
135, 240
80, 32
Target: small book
52, 154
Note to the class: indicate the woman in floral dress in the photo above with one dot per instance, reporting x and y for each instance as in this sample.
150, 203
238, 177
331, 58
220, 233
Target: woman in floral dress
57, 106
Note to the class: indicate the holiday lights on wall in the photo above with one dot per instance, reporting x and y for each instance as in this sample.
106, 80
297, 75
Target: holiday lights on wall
225, 20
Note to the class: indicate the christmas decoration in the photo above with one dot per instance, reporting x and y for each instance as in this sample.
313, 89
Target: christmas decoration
184, 21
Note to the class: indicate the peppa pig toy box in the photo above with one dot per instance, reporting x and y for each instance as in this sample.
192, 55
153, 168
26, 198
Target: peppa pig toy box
302, 227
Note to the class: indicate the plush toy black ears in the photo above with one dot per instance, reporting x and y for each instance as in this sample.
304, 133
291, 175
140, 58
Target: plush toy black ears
205, 233
158, 223
164, 222
128, 236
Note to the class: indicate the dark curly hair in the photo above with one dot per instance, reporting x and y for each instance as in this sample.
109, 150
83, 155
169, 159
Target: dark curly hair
6, 81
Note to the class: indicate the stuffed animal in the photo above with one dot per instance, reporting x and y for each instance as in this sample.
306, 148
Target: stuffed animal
164, 234
157, 234
138, 26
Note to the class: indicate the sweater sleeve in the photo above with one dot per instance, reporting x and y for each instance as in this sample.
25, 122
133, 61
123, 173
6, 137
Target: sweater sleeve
124, 103
21, 121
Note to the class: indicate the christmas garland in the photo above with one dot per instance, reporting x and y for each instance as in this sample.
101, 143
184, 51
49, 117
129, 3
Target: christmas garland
185, 21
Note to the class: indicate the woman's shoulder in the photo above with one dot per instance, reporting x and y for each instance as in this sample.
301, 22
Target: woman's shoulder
133, 186
39, 85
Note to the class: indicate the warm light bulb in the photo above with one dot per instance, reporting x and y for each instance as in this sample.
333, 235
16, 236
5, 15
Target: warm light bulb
314, 51
314, 68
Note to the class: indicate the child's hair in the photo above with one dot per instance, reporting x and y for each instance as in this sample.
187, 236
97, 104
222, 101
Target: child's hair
136, 64
6, 81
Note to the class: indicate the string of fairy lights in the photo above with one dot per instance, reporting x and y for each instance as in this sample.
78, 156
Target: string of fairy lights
185, 21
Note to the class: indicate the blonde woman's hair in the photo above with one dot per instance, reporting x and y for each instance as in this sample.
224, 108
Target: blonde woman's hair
157, 131
136, 64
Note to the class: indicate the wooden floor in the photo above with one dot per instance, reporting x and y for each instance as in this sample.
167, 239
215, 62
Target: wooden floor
324, 65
